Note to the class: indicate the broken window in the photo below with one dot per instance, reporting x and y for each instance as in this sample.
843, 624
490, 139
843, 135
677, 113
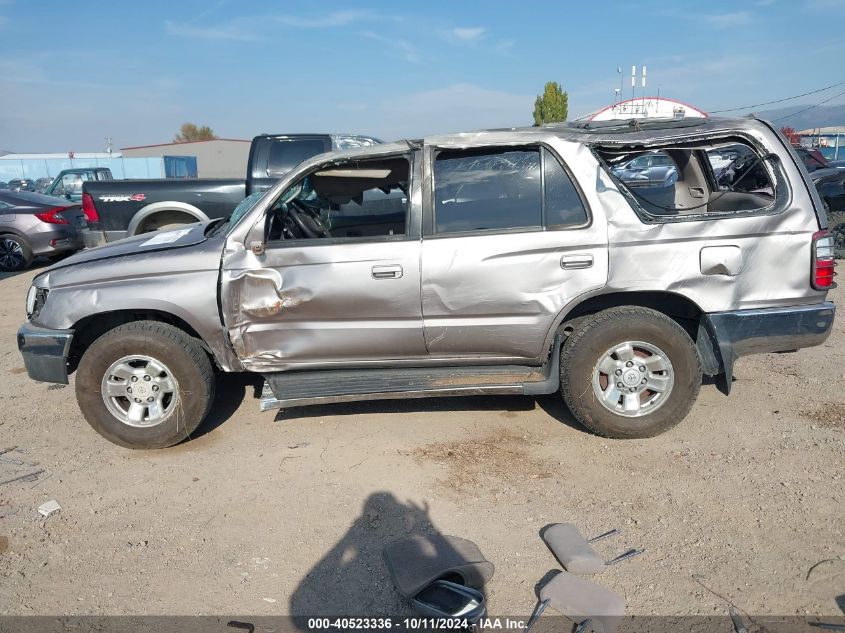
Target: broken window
718, 177
507, 188
356, 199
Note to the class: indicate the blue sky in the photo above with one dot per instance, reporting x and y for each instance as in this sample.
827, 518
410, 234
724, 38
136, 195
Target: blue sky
73, 73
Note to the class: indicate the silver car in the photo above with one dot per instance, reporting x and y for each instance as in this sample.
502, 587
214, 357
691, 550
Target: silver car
32, 224
495, 262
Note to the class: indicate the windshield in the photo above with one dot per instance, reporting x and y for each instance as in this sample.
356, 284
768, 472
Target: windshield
242, 209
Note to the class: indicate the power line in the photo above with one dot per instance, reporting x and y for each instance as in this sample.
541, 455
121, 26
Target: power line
757, 105
810, 108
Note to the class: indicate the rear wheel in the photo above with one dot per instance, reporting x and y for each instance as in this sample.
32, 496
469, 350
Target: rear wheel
145, 385
630, 372
15, 253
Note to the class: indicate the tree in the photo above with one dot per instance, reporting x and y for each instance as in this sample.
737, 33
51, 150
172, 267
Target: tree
190, 132
552, 106
791, 135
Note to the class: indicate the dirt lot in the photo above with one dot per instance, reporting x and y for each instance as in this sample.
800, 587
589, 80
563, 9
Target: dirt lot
263, 515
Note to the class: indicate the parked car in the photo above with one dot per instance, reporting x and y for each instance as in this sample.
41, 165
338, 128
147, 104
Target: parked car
653, 169
4, 185
501, 262
123, 208
21, 184
32, 224
68, 182
41, 184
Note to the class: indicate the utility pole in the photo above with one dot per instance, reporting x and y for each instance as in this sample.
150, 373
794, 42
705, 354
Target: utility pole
108, 145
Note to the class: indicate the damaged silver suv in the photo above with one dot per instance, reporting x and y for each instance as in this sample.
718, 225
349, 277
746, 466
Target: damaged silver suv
497, 262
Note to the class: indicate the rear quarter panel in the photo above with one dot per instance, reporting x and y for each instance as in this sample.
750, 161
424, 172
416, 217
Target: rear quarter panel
776, 255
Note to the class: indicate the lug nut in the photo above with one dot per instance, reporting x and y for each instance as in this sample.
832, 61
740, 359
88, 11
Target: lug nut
619, 384
155, 387
138, 400
150, 399
147, 378
630, 363
644, 381
129, 390
632, 389
642, 367
134, 379
618, 372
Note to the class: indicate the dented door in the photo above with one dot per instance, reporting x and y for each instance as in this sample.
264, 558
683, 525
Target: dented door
326, 305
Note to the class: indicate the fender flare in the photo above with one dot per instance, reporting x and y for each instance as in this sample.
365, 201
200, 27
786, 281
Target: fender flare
157, 207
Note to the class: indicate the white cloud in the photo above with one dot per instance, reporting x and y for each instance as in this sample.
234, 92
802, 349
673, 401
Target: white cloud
236, 30
468, 33
456, 108
404, 48
330, 20
726, 20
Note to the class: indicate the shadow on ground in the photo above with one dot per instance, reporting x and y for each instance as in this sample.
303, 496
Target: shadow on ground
230, 392
552, 404
352, 578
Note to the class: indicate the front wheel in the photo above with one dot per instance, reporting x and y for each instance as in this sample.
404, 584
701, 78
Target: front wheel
145, 384
630, 372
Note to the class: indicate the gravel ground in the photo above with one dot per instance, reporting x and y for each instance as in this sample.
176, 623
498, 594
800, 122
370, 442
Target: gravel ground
275, 515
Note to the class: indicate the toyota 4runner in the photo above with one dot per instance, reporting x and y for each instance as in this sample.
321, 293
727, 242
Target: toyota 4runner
496, 262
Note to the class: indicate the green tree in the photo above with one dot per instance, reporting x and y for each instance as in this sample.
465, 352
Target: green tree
190, 132
552, 105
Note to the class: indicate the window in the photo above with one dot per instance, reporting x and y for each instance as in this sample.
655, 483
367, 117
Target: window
358, 199
719, 176
563, 204
492, 189
478, 190
287, 154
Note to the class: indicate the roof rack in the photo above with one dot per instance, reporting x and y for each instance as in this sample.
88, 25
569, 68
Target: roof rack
633, 125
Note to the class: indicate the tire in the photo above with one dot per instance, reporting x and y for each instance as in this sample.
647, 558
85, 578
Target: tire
646, 412
15, 253
181, 402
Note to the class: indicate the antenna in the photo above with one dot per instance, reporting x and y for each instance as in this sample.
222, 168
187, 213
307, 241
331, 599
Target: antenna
644, 112
633, 80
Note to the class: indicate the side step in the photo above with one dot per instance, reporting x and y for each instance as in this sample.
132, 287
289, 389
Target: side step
299, 388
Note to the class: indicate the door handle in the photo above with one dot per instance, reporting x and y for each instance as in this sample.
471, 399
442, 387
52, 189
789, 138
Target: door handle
572, 262
393, 271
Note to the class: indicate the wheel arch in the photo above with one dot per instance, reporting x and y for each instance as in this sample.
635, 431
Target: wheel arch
91, 327
680, 308
167, 206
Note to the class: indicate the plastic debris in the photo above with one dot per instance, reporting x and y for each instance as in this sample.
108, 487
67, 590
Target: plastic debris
49, 508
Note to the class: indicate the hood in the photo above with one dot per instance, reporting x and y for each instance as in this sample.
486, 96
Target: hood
148, 242
825, 172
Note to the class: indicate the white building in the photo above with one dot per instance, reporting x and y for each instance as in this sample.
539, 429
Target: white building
646, 108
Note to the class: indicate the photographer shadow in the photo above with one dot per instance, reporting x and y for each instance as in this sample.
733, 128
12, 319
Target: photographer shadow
352, 578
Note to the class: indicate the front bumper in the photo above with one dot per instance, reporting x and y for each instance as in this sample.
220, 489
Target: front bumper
45, 352
743, 332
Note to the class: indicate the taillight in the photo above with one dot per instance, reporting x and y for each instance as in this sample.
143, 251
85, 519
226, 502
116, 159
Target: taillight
823, 262
52, 216
88, 208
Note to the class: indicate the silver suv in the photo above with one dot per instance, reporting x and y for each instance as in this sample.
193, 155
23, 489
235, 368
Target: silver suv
496, 262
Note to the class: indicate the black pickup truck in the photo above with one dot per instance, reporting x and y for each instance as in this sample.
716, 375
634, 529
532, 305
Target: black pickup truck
122, 208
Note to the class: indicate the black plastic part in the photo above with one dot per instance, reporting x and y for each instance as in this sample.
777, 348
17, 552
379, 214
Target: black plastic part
444, 599
743, 332
45, 352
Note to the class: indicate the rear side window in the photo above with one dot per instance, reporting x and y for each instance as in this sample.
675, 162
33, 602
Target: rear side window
508, 188
711, 179
287, 154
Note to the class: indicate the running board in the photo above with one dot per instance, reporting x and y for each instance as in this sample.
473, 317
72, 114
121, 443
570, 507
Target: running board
300, 388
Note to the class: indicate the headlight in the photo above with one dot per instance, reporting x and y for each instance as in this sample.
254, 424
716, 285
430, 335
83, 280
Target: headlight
30, 301
35, 299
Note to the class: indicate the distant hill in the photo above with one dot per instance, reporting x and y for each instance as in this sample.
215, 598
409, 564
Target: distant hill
817, 117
